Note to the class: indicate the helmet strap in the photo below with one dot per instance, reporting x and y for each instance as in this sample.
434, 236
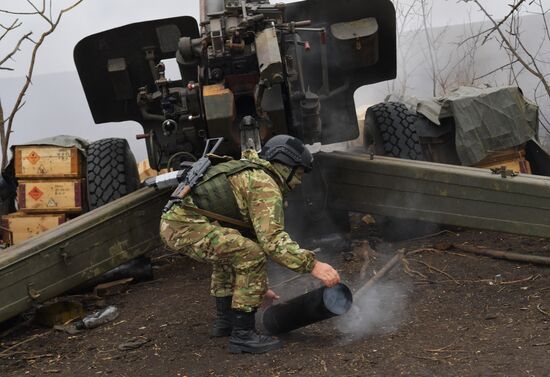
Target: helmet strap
291, 175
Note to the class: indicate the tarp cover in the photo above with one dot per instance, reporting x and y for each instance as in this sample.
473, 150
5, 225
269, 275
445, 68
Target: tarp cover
486, 119
60, 141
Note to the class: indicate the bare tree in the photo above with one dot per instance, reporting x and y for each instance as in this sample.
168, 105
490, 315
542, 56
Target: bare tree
52, 19
523, 56
426, 14
447, 64
407, 32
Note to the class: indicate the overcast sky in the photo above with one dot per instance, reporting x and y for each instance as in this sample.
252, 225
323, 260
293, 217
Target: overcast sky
96, 15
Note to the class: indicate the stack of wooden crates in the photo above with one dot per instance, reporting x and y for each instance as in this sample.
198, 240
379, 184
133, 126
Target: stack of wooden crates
51, 189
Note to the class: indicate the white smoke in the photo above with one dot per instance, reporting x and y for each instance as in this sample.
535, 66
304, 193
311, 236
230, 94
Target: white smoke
379, 310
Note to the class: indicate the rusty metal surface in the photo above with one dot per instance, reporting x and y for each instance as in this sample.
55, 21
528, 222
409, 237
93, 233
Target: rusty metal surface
85, 247
454, 195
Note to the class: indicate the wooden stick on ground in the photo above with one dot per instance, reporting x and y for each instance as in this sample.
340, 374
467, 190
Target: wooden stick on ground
516, 257
387, 267
4, 352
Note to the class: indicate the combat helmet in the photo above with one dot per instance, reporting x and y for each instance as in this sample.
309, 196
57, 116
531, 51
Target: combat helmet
287, 150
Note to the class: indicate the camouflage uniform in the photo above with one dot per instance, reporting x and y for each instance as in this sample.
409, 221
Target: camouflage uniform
239, 263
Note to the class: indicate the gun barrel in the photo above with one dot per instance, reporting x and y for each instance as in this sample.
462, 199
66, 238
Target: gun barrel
202, 6
165, 180
210, 6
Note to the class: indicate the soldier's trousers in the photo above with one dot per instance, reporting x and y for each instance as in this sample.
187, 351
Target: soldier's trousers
239, 264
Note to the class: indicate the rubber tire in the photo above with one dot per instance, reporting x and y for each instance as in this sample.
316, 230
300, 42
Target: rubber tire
389, 126
111, 171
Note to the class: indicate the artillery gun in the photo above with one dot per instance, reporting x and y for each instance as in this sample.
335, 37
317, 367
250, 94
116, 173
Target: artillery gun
248, 71
281, 68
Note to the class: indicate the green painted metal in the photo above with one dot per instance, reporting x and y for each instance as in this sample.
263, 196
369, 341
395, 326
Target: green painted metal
87, 246
446, 194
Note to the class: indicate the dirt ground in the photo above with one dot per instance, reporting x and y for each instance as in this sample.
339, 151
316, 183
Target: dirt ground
440, 313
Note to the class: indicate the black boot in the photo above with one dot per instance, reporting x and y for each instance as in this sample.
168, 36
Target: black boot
244, 337
222, 324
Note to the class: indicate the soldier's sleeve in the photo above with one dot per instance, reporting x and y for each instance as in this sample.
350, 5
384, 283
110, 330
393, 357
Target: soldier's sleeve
265, 205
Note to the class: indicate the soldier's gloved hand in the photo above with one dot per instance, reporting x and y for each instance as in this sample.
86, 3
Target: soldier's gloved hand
269, 296
326, 273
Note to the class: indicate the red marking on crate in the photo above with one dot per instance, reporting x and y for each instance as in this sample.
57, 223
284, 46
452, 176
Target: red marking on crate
35, 193
33, 157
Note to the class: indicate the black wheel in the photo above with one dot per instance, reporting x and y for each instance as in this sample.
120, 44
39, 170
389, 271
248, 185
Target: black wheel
389, 127
111, 171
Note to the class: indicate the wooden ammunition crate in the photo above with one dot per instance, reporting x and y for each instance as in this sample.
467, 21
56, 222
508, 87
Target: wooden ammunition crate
146, 171
23, 226
51, 196
44, 161
512, 159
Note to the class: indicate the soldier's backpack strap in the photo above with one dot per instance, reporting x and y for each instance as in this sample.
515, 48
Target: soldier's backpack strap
217, 216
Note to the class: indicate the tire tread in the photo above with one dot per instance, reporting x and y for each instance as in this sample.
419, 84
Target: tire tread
395, 124
111, 171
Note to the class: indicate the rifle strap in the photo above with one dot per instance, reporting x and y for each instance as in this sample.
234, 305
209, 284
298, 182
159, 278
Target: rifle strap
217, 216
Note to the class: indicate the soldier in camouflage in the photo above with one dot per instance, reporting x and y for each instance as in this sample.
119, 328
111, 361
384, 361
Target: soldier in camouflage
251, 190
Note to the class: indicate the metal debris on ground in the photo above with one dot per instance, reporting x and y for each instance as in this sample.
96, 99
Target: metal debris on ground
133, 343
